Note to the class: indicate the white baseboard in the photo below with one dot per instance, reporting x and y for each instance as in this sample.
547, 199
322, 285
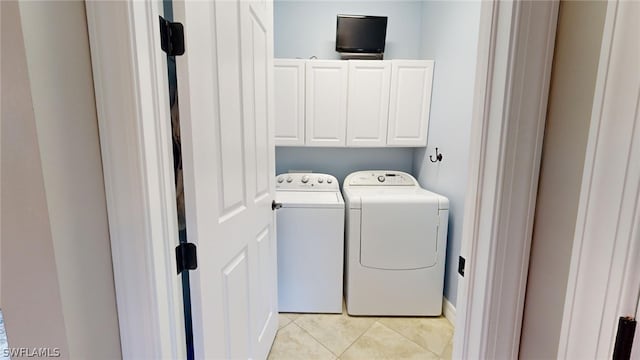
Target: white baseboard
449, 311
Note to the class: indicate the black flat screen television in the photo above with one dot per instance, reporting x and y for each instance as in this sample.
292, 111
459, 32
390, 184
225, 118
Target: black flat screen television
361, 34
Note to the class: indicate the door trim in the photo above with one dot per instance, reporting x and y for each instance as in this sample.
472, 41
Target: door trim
604, 275
515, 52
130, 77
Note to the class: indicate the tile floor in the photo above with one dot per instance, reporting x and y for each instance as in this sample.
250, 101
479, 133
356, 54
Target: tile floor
340, 336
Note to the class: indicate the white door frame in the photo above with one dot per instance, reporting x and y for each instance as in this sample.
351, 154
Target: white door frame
514, 62
604, 276
515, 53
130, 79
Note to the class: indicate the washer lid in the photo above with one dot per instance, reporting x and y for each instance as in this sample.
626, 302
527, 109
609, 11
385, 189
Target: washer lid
309, 199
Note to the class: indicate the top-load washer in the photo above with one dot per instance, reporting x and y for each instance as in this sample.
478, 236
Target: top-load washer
310, 239
396, 237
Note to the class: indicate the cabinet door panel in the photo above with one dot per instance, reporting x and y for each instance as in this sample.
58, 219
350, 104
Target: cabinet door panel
289, 101
368, 103
410, 99
326, 102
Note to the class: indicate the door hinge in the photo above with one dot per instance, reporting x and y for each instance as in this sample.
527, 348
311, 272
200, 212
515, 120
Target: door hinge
275, 205
171, 37
461, 263
624, 338
186, 257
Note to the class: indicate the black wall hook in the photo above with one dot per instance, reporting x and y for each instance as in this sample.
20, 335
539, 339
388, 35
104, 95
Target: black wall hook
438, 157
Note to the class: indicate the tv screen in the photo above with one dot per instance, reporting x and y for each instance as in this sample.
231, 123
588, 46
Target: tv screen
358, 33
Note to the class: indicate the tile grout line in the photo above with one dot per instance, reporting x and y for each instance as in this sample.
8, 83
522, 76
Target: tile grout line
344, 313
313, 337
274, 340
445, 348
358, 338
282, 327
450, 342
420, 346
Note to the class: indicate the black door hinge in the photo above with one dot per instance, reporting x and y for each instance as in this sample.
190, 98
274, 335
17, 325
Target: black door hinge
624, 338
275, 205
461, 262
186, 257
171, 37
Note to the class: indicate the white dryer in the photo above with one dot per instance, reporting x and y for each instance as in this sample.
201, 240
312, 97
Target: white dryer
396, 238
310, 239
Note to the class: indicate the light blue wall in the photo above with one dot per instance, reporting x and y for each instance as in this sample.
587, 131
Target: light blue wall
341, 162
305, 28
450, 38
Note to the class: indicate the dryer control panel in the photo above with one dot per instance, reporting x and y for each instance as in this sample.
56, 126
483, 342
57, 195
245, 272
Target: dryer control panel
382, 178
307, 181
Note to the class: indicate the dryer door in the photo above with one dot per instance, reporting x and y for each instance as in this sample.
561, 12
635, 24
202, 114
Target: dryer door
399, 233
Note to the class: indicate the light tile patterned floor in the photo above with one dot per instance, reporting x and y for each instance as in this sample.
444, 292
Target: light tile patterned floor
340, 336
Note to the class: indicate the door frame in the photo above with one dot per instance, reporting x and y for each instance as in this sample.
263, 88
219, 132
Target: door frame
515, 53
507, 131
604, 275
130, 80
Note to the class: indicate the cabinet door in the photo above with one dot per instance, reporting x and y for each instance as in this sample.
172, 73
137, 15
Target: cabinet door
368, 102
289, 101
411, 82
326, 102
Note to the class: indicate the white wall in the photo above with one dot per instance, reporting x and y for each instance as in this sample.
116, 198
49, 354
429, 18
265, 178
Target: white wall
450, 37
31, 302
578, 40
308, 28
59, 65
60, 79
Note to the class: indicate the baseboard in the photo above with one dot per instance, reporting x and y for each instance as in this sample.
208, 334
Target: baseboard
449, 311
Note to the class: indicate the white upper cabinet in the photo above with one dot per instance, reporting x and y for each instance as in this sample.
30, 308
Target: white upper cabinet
368, 103
289, 101
354, 103
326, 102
409, 103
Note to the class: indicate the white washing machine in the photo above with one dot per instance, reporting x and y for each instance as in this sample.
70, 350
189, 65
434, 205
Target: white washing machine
310, 238
396, 240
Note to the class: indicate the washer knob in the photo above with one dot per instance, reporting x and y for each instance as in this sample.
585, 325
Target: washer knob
320, 180
305, 179
289, 179
280, 180
381, 178
329, 181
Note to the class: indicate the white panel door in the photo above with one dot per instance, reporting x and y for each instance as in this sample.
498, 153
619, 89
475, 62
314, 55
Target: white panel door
411, 82
326, 102
289, 101
368, 102
225, 89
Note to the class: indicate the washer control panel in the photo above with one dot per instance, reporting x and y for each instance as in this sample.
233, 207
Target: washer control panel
307, 181
382, 178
